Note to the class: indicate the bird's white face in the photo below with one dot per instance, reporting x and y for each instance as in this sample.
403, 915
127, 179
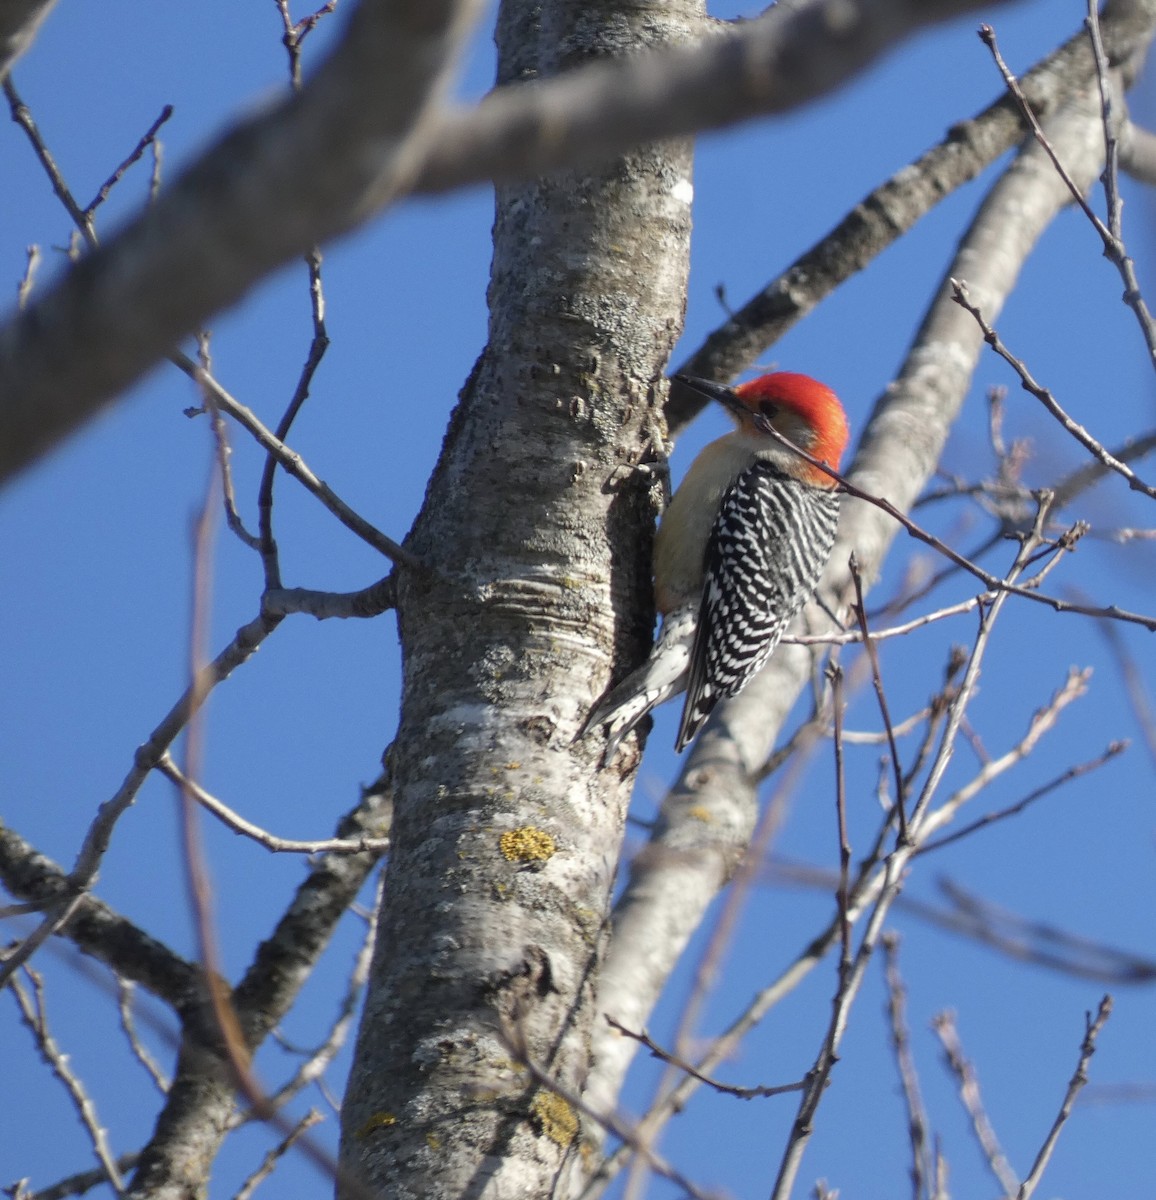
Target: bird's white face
789, 423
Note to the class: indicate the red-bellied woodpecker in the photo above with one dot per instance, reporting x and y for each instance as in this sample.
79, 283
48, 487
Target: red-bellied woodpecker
739, 550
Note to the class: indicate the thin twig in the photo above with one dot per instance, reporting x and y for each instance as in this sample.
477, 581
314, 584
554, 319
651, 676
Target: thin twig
138, 151
1043, 720
96, 840
972, 1100
81, 1182
296, 466
125, 997
34, 1015
940, 706
611, 1122
318, 345
880, 695
270, 1161
317, 1062
866, 737
959, 294
295, 32
221, 445
23, 117
167, 766
289, 460
992, 582
1092, 1027
851, 637
292, 37
1014, 810
24, 290
890, 881
726, 1089
1114, 248
1111, 176
921, 1168
842, 892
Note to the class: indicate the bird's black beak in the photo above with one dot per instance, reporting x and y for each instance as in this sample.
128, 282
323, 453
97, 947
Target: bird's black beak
707, 390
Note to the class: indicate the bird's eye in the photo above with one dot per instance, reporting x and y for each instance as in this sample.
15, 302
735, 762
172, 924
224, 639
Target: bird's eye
768, 409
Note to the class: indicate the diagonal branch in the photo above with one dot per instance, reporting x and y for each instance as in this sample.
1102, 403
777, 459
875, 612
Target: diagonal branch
888, 212
19, 22
708, 817
361, 132
322, 160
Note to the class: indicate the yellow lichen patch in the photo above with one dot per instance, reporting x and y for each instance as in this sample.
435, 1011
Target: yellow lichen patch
554, 1118
433, 1141
527, 844
381, 1120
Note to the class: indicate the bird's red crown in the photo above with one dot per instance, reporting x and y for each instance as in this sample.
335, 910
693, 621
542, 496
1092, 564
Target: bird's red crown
815, 405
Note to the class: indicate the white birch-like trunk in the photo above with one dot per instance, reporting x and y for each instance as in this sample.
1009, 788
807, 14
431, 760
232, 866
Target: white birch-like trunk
505, 839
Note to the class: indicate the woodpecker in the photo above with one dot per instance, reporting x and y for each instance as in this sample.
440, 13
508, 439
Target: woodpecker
739, 550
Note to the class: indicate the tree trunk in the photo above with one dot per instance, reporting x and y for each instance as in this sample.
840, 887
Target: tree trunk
506, 840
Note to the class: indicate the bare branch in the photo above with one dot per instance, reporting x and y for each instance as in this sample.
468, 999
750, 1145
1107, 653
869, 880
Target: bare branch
677, 876
202, 1097
20, 113
296, 466
1045, 397
324, 172
35, 1017
1039, 793
96, 928
893, 208
224, 451
134, 156
881, 696
1093, 1025
19, 22
125, 1000
887, 886
270, 1161
917, 1128
1114, 248
270, 841
318, 1061
322, 160
680, 1064
372, 601
78, 1184
972, 1100
318, 345
96, 840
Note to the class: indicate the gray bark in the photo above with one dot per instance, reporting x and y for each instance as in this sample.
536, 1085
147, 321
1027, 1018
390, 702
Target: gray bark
19, 22
366, 129
505, 840
709, 816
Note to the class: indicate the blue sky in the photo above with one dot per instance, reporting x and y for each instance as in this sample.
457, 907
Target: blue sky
95, 594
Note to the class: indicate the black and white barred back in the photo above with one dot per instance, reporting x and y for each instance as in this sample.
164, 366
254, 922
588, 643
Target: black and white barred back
769, 544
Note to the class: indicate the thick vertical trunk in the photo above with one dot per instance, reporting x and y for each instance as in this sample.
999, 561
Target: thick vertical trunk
506, 839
